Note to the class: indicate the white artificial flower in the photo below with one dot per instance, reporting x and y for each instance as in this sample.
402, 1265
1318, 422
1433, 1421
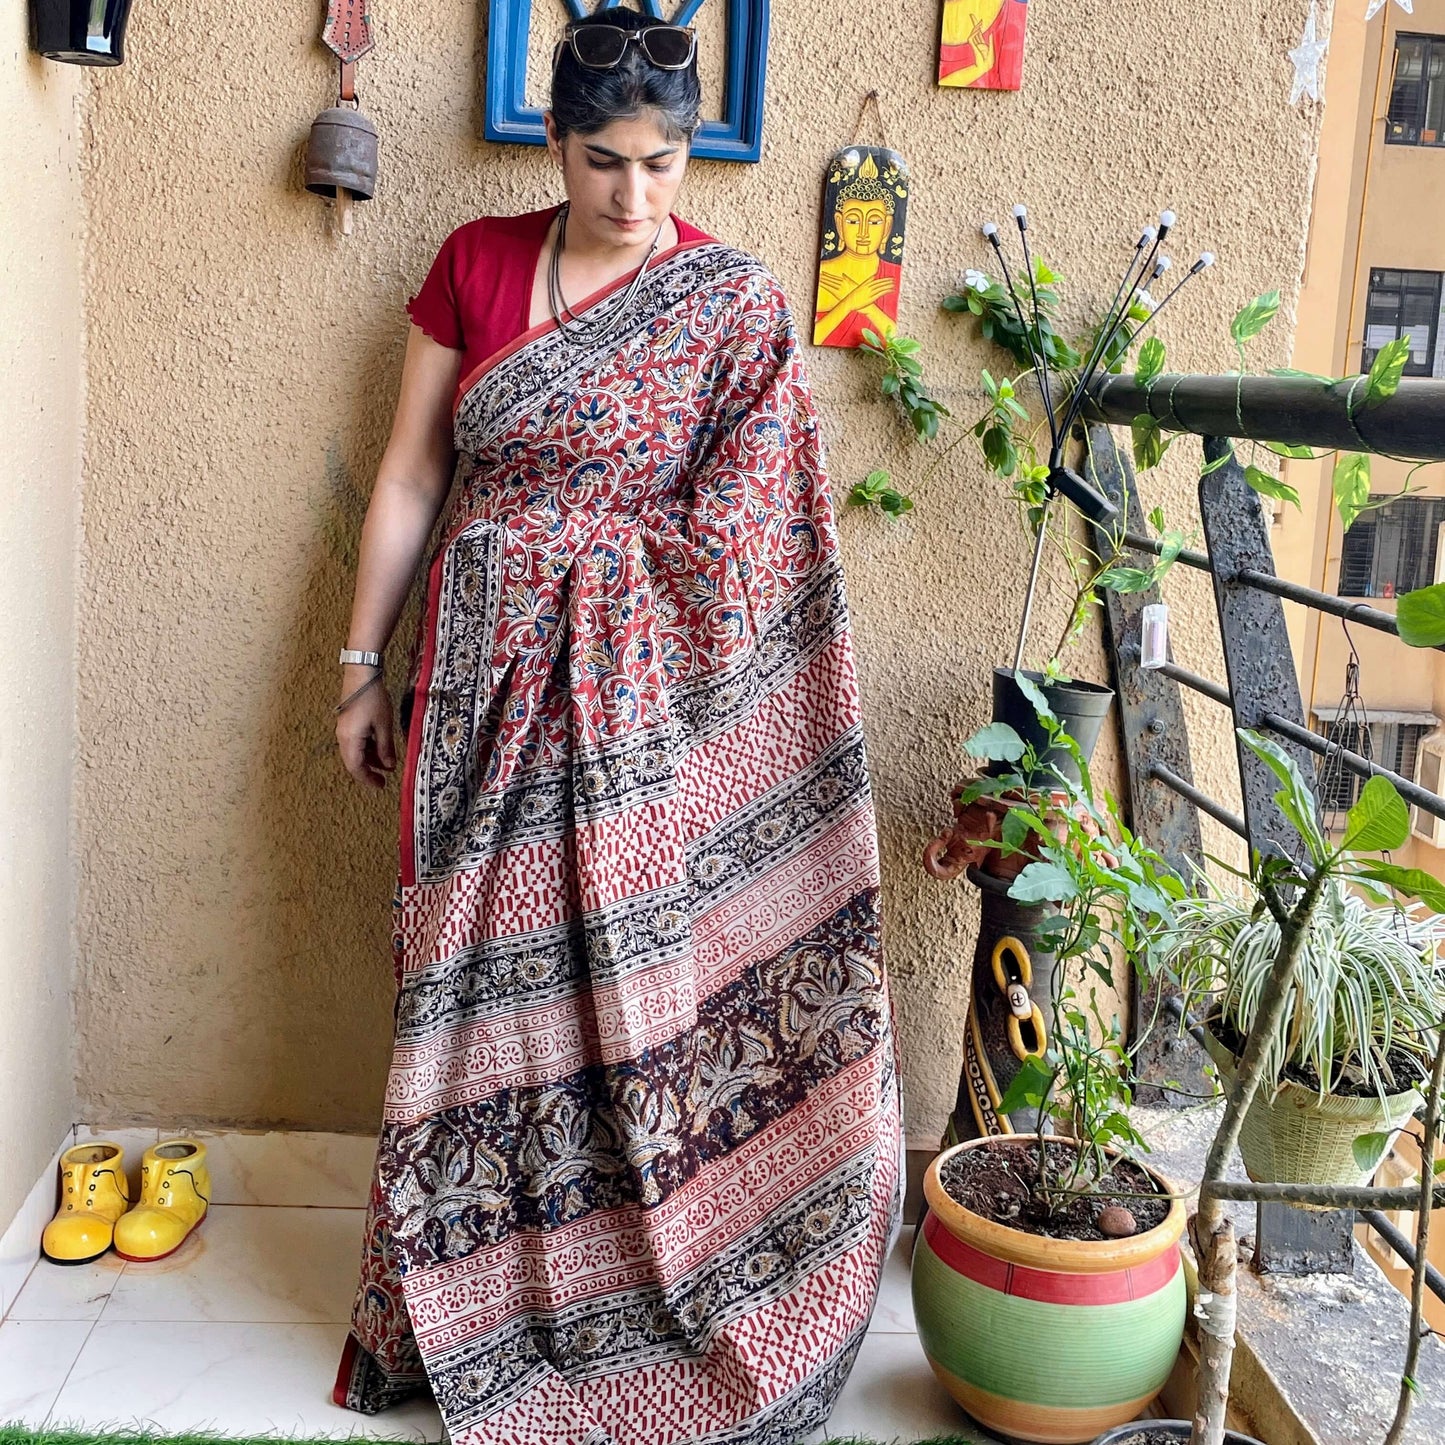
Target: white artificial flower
1146, 300
975, 280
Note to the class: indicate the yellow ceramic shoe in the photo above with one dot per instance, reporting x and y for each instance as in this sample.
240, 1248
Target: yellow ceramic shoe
175, 1189
93, 1195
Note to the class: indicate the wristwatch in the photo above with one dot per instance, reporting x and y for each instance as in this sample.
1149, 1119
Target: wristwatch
366, 659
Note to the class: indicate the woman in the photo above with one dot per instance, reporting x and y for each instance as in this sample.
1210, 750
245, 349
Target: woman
639, 1164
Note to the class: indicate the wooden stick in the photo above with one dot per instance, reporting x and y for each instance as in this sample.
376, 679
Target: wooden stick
343, 209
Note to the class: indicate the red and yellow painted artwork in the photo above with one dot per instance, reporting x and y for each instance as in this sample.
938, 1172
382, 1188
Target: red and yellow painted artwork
983, 43
860, 266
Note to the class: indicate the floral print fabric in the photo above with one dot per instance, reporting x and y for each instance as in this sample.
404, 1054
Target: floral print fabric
639, 1165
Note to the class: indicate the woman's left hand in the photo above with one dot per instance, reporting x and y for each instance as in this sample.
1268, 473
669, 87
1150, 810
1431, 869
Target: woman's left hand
365, 737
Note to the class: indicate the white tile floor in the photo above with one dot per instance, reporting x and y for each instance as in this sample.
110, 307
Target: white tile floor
240, 1330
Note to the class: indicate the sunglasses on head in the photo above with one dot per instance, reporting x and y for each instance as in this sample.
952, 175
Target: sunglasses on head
601, 47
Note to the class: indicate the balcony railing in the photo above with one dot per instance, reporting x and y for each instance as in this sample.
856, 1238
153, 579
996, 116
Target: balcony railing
1261, 690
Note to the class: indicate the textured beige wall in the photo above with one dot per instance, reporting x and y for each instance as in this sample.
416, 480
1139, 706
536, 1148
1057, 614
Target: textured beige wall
40, 401
244, 364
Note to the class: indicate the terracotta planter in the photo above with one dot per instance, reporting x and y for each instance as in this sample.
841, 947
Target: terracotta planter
1166, 1430
1044, 1339
1299, 1138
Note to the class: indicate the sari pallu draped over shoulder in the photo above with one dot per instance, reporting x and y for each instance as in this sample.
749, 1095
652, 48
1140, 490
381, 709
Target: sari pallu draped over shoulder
639, 1166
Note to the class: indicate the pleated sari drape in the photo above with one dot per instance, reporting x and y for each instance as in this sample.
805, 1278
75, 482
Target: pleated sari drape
639, 1165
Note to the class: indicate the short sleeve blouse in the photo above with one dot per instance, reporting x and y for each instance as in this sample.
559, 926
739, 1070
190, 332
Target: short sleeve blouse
478, 293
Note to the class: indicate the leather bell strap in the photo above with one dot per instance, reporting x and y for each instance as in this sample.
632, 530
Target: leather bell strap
347, 33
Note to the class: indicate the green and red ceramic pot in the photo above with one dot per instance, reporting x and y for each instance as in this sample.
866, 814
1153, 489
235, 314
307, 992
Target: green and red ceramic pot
1051, 1340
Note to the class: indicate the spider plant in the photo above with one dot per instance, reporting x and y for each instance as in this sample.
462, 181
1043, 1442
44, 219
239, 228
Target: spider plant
1370, 982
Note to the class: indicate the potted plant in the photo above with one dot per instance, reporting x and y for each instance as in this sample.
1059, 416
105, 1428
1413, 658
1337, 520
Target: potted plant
1353, 1050
1046, 1276
1016, 311
1293, 892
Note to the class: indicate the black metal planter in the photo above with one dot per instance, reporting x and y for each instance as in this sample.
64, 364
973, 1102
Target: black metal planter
80, 32
1080, 706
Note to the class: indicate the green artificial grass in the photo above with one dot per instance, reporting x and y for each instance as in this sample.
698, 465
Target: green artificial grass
123, 1435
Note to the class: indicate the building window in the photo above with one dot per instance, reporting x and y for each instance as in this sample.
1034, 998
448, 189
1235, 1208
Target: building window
1403, 303
1393, 548
1417, 97
1432, 779
1387, 745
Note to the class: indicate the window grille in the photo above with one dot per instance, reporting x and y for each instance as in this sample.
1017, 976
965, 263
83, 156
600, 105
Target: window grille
1392, 549
1403, 303
1417, 95
1389, 745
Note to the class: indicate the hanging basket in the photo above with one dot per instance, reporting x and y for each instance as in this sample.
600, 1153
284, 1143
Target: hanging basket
1296, 1137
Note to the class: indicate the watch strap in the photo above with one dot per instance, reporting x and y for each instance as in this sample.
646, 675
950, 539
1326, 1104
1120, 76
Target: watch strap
364, 659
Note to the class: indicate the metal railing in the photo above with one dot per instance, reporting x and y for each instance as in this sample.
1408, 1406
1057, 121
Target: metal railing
1262, 691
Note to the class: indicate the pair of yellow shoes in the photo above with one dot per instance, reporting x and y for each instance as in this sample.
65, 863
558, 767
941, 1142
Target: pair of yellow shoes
96, 1211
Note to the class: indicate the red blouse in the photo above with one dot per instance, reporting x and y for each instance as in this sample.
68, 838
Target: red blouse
478, 293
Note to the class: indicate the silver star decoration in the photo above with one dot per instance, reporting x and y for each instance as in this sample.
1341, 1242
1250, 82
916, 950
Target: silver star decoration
1306, 57
1408, 6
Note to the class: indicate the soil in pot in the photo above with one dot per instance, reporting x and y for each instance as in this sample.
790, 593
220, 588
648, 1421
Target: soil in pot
1163, 1432
1410, 1072
996, 1180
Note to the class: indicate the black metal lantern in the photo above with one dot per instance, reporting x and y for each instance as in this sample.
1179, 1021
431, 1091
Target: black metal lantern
82, 32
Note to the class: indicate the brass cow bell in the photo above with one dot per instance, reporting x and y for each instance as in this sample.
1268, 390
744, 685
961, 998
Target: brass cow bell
341, 155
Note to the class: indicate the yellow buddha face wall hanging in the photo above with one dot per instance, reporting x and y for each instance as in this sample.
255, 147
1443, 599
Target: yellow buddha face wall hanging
982, 44
860, 262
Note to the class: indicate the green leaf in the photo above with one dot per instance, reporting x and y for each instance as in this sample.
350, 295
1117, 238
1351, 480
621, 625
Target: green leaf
1412, 882
1379, 821
1254, 317
1044, 882
1268, 486
1387, 369
1151, 361
1351, 484
1368, 1150
1035, 695
1290, 449
1149, 442
996, 743
1156, 519
1421, 616
1029, 1088
1014, 830
1219, 461
1124, 579
1295, 799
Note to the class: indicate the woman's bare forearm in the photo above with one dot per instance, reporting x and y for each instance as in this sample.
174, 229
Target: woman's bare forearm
393, 538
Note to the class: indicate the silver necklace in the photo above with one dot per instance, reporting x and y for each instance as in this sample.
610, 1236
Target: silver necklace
600, 320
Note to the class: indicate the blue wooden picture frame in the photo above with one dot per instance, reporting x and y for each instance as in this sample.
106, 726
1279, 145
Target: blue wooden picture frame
737, 137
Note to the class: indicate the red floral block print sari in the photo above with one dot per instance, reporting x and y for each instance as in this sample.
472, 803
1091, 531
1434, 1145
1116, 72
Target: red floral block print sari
639, 1166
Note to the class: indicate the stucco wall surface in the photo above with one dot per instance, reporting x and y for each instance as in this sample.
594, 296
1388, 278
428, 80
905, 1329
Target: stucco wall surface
40, 401
244, 363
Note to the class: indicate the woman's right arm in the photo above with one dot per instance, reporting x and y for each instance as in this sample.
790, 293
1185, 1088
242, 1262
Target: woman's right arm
411, 486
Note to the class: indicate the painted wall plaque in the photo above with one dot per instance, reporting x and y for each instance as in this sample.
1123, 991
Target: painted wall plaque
982, 44
860, 266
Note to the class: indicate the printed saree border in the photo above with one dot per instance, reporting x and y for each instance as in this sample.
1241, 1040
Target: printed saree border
549, 324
